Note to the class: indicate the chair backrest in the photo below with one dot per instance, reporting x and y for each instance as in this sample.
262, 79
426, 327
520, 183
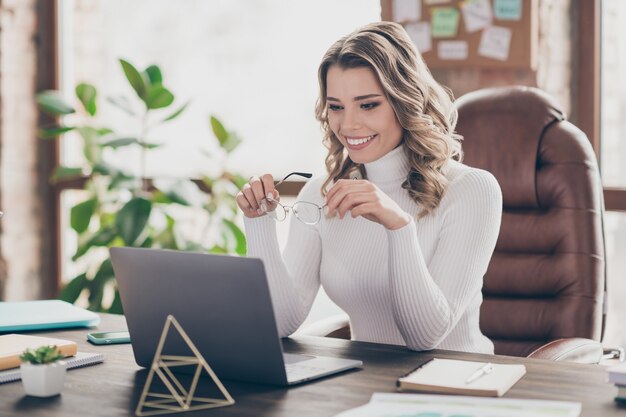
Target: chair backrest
546, 279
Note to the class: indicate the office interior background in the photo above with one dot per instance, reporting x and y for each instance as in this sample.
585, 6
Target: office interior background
253, 65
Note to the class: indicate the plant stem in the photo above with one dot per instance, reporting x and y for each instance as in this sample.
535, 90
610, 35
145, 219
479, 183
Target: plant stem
143, 185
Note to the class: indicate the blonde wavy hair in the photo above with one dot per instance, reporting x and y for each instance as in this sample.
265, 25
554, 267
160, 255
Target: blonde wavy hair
424, 109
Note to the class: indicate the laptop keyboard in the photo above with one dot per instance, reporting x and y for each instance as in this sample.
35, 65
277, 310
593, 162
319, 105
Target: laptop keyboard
300, 370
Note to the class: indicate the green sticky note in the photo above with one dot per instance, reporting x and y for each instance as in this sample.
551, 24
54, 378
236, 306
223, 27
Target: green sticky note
445, 22
508, 9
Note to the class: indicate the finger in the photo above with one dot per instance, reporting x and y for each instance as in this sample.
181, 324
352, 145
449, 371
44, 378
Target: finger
268, 185
257, 189
346, 189
336, 187
363, 210
245, 206
353, 200
247, 192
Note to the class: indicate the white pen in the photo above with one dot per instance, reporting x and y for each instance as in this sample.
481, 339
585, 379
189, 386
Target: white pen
482, 371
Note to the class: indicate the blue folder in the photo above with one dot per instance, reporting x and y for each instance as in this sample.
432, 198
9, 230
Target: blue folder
43, 314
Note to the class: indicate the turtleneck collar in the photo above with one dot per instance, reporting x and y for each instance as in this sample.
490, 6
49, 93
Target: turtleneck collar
394, 166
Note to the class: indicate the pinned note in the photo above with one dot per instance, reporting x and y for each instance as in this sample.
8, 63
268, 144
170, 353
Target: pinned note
406, 10
476, 15
420, 34
445, 22
452, 50
495, 43
508, 9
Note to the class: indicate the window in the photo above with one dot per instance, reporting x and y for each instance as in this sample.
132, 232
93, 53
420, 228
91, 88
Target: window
252, 64
612, 153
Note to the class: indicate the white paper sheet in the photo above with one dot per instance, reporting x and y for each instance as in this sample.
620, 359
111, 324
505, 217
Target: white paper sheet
420, 34
396, 405
406, 10
495, 43
477, 15
452, 50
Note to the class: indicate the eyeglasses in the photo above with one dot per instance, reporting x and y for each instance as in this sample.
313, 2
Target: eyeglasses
306, 212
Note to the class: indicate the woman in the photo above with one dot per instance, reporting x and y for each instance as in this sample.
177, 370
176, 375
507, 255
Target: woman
407, 230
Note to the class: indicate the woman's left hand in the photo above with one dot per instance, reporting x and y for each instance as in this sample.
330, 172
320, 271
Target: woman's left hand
362, 198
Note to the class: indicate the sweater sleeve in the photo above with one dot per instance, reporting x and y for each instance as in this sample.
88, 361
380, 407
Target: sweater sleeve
428, 300
293, 276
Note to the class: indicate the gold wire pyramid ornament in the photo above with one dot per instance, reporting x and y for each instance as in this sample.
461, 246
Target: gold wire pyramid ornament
179, 399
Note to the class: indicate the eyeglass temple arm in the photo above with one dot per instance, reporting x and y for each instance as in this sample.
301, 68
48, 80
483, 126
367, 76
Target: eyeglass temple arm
300, 174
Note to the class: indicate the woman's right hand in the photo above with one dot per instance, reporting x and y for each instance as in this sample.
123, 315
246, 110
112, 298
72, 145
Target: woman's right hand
253, 197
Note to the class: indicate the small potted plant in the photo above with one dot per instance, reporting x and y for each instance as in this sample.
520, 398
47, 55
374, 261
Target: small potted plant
43, 373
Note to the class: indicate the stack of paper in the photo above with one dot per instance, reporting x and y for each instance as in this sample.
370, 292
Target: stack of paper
617, 375
13, 345
401, 405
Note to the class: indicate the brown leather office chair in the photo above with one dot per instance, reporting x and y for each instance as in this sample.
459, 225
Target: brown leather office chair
544, 288
543, 291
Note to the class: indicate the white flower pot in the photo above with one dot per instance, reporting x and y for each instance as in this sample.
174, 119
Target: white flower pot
43, 380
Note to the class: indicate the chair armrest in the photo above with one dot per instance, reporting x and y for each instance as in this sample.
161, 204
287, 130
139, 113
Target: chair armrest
337, 326
573, 349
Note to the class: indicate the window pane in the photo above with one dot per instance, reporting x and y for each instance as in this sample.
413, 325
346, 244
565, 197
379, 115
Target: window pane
615, 229
613, 94
251, 63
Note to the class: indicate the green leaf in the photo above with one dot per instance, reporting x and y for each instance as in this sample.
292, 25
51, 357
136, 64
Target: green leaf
218, 130
134, 78
51, 102
183, 192
240, 238
63, 172
102, 237
218, 249
120, 142
132, 219
231, 143
97, 284
122, 103
86, 93
72, 290
238, 180
91, 150
116, 306
53, 132
158, 97
153, 74
80, 215
176, 113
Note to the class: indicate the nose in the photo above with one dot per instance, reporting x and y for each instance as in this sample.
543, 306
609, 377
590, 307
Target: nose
351, 120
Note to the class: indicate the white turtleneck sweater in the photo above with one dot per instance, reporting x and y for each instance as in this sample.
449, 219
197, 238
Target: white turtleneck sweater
418, 286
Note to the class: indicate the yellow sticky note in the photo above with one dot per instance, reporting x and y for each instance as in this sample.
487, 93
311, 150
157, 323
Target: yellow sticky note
444, 22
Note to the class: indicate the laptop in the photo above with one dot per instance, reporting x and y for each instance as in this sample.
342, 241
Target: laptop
223, 303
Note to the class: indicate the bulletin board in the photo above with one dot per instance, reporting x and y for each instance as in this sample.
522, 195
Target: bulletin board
487, 33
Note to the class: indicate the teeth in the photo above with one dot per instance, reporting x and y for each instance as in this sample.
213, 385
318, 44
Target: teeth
359, 141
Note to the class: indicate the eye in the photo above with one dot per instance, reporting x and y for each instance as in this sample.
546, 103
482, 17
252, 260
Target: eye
369, 106
334, 107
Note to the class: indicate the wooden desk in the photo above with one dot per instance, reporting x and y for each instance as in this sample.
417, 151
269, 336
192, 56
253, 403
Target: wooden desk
113, 388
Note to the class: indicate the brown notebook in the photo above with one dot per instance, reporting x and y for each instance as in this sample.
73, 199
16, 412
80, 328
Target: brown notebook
449, 376
13, 345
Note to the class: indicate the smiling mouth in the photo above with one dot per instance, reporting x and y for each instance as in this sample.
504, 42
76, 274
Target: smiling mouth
358, 142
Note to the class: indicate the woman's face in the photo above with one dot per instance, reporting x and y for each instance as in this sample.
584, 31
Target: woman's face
359, 113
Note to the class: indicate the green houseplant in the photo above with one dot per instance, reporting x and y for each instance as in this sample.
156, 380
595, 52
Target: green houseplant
42, 371
124, 208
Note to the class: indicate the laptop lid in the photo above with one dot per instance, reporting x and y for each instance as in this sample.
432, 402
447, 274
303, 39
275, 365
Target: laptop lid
222, 302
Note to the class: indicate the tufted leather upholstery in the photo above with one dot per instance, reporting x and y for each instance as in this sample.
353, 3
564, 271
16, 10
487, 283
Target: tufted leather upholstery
546, 279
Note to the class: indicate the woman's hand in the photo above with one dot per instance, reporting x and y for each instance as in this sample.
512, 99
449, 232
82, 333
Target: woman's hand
253, 197
365, 199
